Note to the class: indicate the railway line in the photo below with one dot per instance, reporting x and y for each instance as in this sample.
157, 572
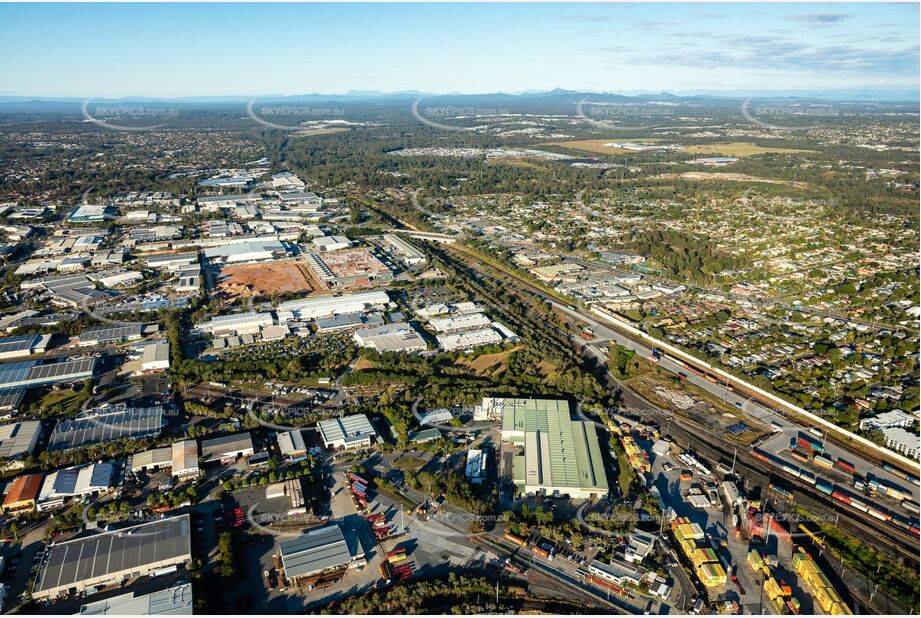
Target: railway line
887, 539
856, 445
564, 581
902, 544
840, 437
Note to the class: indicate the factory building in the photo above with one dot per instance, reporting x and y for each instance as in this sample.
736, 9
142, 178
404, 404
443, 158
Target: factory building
250, 322
22, 494
292, 445
405, 250
173, 601
171, 261
326, 306
559, 456
181, 457
155, 357
103, 334
468, 339
111, 557
227, 448
395, 337
23, 345
348, 432
331, 243
76, 482
32, 373
320, 554
246, 251
106, 424
19, 439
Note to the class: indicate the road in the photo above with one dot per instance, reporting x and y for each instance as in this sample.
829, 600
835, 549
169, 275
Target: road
778, 443
762, 398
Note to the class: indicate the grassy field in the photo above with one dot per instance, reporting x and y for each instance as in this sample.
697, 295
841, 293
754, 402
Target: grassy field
323, 131
625, 473
408, 462
486, 364
597, 146
738, 149
64, 402
725, 149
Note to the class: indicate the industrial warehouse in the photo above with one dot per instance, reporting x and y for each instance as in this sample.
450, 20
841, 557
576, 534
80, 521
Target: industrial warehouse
181, 458
105, 424
320, 554
327, 306
353, 431
560, 456
32, 373
109, 557
19, 439
23, 345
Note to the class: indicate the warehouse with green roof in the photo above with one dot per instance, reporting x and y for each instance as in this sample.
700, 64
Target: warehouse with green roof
560, 456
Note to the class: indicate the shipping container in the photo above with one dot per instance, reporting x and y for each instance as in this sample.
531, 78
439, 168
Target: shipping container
824, 486
845, 465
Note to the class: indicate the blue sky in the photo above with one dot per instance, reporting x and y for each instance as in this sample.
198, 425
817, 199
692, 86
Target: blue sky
171, 50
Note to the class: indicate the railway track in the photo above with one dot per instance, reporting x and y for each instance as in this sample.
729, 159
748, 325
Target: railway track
850, 446
885, 538
561, 580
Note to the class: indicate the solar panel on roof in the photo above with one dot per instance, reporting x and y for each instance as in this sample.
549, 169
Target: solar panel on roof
19, 343
104, 426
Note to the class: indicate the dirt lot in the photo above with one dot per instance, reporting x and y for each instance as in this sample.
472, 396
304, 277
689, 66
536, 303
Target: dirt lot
248, 280
486, 364
731, 177
596, 146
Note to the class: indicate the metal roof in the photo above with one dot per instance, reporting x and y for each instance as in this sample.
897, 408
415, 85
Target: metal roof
348, 427
175, 600
19, 343
108, 332
18, 438
31, 373
291, 442
316, 550
218, 448
559, 452
109, 553
102, 425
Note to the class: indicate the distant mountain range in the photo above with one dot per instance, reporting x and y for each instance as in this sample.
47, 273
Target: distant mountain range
557, 96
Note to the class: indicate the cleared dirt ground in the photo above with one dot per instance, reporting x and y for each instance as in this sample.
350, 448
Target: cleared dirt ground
248, 280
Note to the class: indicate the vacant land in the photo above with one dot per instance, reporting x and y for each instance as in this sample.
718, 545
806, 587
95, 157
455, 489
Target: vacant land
487, 363
733, 177
597, 146
738, 149
263, 279
320, 131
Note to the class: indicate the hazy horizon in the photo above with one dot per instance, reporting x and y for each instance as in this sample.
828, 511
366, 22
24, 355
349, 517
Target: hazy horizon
195, 50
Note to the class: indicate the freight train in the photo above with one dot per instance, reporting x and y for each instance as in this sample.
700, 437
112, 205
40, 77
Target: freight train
840, 494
